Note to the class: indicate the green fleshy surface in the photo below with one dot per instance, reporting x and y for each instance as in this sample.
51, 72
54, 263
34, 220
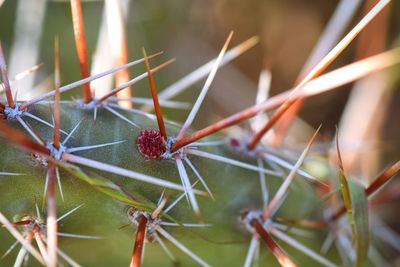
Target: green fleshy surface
235, 190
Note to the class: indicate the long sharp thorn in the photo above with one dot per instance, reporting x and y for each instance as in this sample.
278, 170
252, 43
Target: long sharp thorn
143, 253
80, 42
119, 115
20, 139
188, 187
134, 80
40, 244
16, 95
319, 68
340, 19
20, 257
383, 178
324, 83
6, 81
67, 258
198, 74
159, 208
279, 254
79, 236
83, 148
276, 160
332, 55
56, 136
271, 122
230, 161
31, 131
163, 103
59, 184
250, 253
28, 71
182, 247
71, 133
326, 245
211, 143
51, 218
173, 204
123, 172
69, 213
36, 118
73, 85
46, 184
9, 250
160, 119
204, 90
139, 242
186, 224
285, 185
37, 208
165, 248
263, 91
142, 113
161, 198
95, 114
25, 243
300, 247
185, 186
199, 177
263, 183
10, 174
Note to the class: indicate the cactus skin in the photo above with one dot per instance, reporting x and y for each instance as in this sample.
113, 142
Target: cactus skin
234, 214
234, 189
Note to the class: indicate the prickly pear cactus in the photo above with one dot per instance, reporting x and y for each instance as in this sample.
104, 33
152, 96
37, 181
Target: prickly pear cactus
90, 182
233, 188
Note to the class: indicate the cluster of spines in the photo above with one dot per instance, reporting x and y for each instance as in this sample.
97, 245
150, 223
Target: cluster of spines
308, 86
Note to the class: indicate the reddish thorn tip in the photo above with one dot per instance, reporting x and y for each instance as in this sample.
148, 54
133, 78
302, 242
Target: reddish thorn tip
150, 144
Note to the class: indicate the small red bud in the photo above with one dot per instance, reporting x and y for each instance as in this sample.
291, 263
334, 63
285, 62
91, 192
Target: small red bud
150, 144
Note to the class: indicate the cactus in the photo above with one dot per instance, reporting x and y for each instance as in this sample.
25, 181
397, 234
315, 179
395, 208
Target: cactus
92, 182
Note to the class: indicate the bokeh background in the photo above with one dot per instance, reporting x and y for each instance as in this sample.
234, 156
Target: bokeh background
193, 32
